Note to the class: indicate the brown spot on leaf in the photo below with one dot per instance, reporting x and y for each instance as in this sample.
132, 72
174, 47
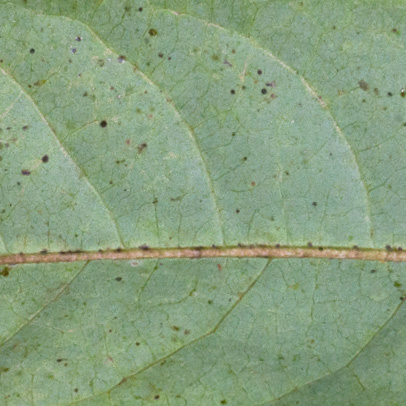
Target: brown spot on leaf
363, 85
152, 32
25, 172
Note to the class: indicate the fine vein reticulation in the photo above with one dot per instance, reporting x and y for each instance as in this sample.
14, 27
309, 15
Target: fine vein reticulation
252, 251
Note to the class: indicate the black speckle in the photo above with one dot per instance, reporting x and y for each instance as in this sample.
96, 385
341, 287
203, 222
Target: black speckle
363, 85
137, 343
85, 94
144, 247
309, 244
152, 32
373, 271
73, 50
156, 397
277, 245
25, 172
259, 71
232, 91
76, 390
314, 204
321, 249
264, 91
400, 249
355, 247
25, 128
43, 251
5, 272
45, 159
119, 279
237, 211
121, 59
388, 247
141, 147
394, 30
161, 55
140, 9
78, 38
223, 402
103, 123
32, 50
390, 94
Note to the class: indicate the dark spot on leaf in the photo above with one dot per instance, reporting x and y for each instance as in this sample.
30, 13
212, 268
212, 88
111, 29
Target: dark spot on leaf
141, 147
390, 94
271, 84
403, 92
363, 85
103, 123
309, 244
73, 50
277, 245
176, 328
156, 397
244, 158
137, 343
314, 204
223, 402
321, 249
140, 9
78, 38
119, 279
5, 272
119, 249
253, 183
355, 247
45, 159
155, 201
232, 91
76, 390
161, 55
376, 91
388, 247
210, 302
237, 211
187, 332
144, 247
152, 32
259, 71
219, 267
373, 271
264, 91
43, 251
400, 249
121, 59
397, 284
394, 30
85, 94
26, 172
32, 50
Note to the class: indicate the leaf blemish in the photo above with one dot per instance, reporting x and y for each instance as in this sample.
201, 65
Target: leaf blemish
363, 85
45, 159
141, 147
32, 50
121, 59
152, 32
264, 91
103, 123
119, 279
25, 172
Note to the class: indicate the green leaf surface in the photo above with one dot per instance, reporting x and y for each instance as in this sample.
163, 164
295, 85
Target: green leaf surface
191, 123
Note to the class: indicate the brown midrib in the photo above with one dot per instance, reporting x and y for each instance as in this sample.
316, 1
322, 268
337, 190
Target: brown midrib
252, 251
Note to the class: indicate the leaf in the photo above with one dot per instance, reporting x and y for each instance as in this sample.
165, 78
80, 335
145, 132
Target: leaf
171, 124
